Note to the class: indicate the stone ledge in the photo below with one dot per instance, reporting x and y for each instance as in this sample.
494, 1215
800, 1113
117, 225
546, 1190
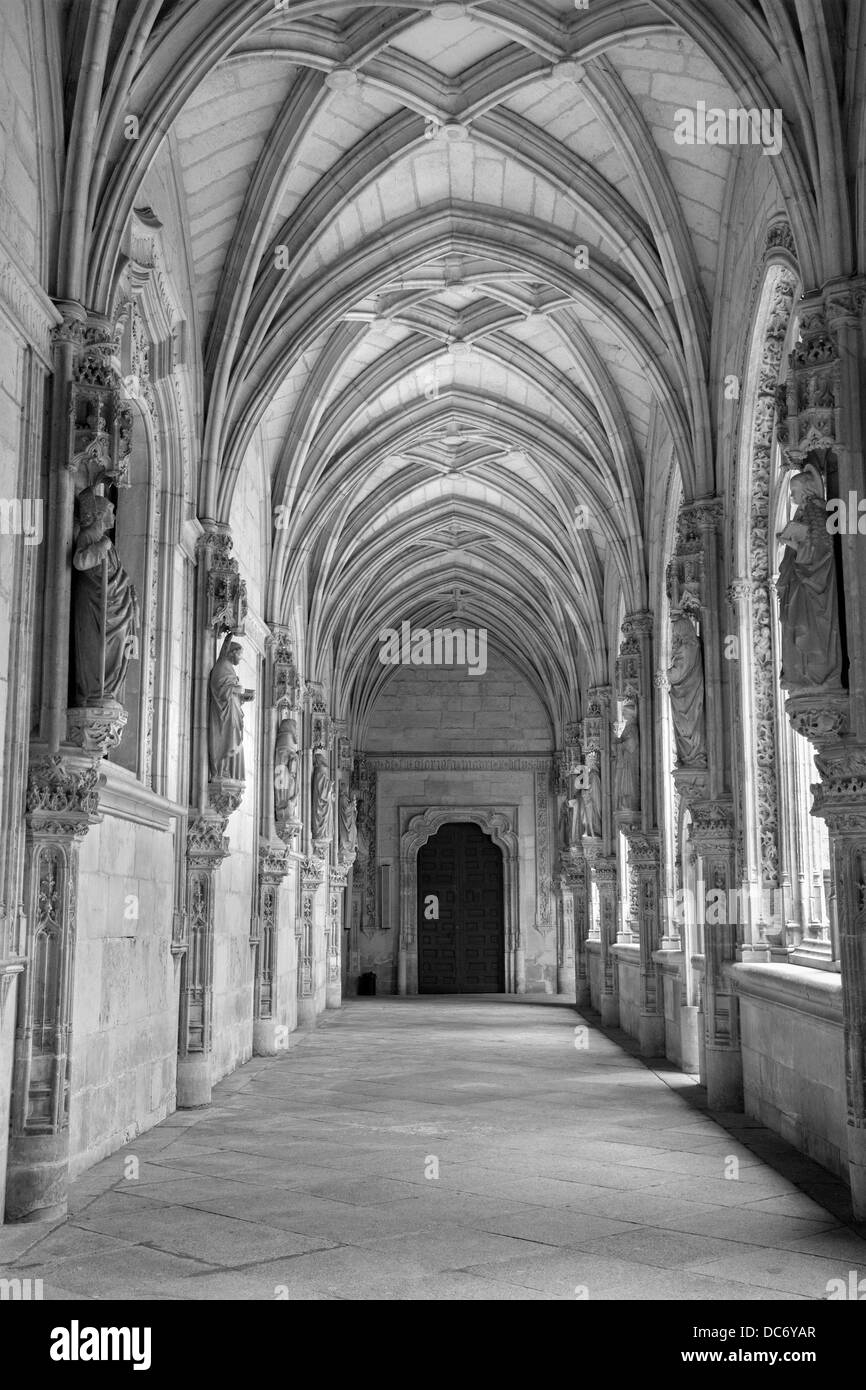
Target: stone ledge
121, 795
796, 987
627, 953
670, 961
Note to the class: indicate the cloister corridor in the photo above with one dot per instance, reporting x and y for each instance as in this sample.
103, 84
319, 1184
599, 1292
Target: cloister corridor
568, 1168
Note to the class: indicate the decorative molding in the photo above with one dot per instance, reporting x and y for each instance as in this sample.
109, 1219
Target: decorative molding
543, 867
501, 826
423, 762
754, 591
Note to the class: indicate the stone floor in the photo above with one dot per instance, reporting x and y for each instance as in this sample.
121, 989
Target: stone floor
564, 1172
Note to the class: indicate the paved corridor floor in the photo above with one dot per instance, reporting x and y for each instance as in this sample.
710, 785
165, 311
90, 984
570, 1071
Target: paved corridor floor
457, 1148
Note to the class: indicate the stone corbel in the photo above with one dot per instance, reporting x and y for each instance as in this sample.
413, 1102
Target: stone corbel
225, 795
96, 729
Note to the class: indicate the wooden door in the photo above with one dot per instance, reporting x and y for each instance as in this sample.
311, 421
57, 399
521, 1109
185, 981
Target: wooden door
463, 951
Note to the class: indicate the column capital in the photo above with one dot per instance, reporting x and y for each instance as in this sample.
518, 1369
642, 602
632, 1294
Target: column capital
62, 796
206, 842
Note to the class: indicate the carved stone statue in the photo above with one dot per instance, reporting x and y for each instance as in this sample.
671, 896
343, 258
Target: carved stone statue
808, 610
686, 677
323, 795
286, 760
225, 728
627, 773
590, 799
348, 821
105, 616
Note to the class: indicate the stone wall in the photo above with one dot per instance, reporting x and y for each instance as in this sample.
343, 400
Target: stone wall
124, 1054
426, 709
794, 1057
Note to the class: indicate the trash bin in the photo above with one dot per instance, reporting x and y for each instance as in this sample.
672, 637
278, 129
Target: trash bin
367, 983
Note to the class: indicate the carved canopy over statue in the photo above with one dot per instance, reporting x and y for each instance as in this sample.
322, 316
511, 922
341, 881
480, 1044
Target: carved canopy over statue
323, 795
686, 677
348, 820
808, 609
105, 615
590, 799
225, 728
286, 760
627, 772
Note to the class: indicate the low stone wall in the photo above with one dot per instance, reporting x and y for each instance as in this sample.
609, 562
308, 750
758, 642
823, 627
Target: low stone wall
794, 1057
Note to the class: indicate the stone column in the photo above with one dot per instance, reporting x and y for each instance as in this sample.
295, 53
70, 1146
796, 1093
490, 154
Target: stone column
62, 804
635, 684
565, 961
220, 604
312, 878
712, 835
273, 867
644, 862
574, 911
605, 874
338, 877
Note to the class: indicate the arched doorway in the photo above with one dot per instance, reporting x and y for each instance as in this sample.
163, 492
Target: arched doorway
461, 927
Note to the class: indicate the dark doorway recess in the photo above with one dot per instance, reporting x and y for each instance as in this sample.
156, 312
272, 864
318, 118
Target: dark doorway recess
463, 952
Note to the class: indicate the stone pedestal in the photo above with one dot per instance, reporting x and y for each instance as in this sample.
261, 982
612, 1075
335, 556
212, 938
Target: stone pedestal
193, 1082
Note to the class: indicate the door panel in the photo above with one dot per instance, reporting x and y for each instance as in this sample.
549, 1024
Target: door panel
462, 952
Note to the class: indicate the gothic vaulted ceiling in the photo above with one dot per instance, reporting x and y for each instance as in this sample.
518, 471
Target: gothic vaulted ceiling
456, 278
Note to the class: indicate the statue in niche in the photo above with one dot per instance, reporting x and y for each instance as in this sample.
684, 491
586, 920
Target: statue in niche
323, 794
590, 799
686, 677
627, 772
105, 613
286, 759
348, 820
808, 611
225, 729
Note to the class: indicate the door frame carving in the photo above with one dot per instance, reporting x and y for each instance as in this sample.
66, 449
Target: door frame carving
502, 829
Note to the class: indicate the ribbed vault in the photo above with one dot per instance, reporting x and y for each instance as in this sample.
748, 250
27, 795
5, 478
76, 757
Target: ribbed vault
452, 274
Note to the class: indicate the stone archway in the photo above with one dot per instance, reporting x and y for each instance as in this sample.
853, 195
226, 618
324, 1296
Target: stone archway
501, 829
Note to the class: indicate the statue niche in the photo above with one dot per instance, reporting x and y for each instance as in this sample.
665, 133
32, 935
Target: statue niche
225, 730
348, 822
808, 609
286, 761
105, 613
323, 795
627, 770
686, 678
590, 799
